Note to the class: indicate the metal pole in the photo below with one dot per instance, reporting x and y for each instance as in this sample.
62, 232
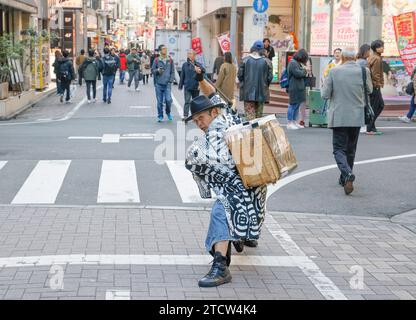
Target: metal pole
331, 27
85, 24
233, 28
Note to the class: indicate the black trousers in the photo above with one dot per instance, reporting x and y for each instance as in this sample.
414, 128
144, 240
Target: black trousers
66, 86
344, 142
79, 76
93, 84
377, 102
145, 79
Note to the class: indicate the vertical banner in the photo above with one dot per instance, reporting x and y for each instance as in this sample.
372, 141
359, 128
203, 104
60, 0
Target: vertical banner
346, 25
393, 8
197, 47
320, 27
160, 13
225, 42
405, 31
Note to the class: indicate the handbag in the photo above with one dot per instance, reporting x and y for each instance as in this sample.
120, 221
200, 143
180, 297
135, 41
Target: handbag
410, 89
368, 110
310, 81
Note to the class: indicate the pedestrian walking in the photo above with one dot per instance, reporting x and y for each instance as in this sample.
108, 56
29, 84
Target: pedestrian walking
109, 73
116, 57
123, 65
226, 78
297, 72
335, 62
188, 83
238, 213
347, 87
362, 60
407, 118
363, 54
133, 65
217, 65
79, 61
268, 49
163, 71
90, 71
255, 75
145, 67
375, 63
66, 74
58, 56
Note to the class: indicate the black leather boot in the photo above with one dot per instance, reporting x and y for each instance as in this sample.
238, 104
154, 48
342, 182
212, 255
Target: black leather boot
219, 273
251, 243
238, 245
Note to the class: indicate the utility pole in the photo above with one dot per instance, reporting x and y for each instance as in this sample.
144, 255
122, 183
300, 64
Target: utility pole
233, 28
85, 24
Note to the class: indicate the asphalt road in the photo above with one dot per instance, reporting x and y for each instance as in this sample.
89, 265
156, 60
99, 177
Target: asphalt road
82, 134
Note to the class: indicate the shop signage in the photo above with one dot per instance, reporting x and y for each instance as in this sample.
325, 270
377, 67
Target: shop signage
224, 41
405, 31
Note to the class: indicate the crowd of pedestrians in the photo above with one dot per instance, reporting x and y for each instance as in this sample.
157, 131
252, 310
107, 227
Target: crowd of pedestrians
95, 66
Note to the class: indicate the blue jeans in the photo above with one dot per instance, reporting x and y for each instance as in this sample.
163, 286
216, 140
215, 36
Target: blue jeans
163, 94
292, 111
218, 229
188, 95
412, 108
122, 75
59, 87
108, 86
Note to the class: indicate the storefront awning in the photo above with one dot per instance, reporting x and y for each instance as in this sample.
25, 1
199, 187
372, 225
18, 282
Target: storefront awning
29, 6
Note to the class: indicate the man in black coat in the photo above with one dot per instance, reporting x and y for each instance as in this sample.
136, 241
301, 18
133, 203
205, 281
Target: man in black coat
66, 74
255, 75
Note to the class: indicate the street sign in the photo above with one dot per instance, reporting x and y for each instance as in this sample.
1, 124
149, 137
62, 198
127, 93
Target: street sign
260, 6
260, 19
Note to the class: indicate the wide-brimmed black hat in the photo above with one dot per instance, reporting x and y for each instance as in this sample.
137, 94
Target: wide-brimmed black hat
199, 104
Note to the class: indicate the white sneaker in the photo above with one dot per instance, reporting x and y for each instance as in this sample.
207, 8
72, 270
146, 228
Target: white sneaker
94, 100
292, 126
299, 125
89, 101
363, 129
137, 89
404, 119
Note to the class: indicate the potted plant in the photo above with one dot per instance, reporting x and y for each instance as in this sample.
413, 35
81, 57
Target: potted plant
8, 50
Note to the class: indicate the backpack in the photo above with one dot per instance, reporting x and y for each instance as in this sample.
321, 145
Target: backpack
63, 71
110, 65
284, 80
90, 67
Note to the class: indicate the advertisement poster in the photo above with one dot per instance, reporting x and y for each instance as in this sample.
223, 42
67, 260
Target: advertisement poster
346, 25
320, 27
393, 8
278, 29
224, 41
405, 31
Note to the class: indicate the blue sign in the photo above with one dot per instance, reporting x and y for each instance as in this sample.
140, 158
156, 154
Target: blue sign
260, 6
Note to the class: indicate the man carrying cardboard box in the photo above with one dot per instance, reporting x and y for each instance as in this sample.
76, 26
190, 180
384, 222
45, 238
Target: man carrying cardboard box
238, 214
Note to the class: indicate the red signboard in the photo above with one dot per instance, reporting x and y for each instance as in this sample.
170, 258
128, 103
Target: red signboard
224, 41
405, 30
197, 45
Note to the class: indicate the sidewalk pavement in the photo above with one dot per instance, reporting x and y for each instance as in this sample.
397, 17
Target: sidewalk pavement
158, 253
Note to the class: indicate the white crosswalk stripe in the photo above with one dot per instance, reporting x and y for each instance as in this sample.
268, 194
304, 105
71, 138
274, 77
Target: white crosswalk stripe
44, 183
115, 182
185, 184
2, 164
118, 182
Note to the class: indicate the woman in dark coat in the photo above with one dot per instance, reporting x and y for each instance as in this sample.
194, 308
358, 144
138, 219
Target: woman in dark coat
297, 73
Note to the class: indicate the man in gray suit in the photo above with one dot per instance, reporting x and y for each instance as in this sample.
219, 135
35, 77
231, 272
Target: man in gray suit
344, 87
